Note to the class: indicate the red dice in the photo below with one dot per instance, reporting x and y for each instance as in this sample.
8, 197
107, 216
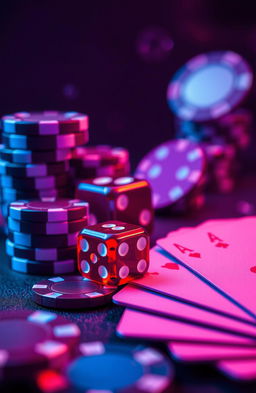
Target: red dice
113, 252
124, 199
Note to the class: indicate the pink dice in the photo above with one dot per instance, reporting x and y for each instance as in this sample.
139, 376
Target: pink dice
113, 252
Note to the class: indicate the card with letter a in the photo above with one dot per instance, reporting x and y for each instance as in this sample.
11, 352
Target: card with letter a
222, 255
176, 282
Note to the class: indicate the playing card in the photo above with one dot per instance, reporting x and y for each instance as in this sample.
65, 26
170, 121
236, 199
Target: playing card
222, 256
239, 369
194, 352
141, 325
168, 278
157, 304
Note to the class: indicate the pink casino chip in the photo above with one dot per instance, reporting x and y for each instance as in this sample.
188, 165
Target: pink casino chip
173, 170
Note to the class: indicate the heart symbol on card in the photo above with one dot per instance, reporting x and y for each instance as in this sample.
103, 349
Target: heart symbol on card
195, 255
171, 266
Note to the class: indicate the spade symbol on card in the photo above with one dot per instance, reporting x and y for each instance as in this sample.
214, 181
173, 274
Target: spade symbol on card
171, 266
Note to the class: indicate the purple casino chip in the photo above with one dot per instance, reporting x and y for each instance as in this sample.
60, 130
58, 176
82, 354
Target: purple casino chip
209, 86
19, 156
34, 184
40, 254
43, 241
100, 155
44, 142
45, 123
33, 340
71, 292
12, 194
173, 169
33, 170
49, 210
47, 228
43, 268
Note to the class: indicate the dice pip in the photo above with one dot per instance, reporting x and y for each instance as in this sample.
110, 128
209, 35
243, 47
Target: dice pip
123, 199
113, 252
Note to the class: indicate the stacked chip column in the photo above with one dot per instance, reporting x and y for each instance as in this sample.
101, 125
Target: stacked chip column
42, 235
34, 157
208, 96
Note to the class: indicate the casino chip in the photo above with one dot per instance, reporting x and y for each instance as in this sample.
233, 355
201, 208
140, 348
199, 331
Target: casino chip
43, 241
13, 194
33, 340
45, 123
47, 228
42, 268
113, 368
49, 210
34, 157
45, 142
100, 155
209, 86
40, 254
173, 170
40, 183
33, 170
102, 160
72, 292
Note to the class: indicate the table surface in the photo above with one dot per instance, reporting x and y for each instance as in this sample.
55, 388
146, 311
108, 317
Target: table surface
100, 323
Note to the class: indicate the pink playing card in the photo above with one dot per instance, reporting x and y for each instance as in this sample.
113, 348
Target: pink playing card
167, 277
144, 300
223, 256
141, 325
192, 353
239, 369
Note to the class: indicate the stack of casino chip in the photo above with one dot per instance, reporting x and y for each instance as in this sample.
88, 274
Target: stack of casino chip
34, 157
207, 96
42, 235
232, 129
98, 161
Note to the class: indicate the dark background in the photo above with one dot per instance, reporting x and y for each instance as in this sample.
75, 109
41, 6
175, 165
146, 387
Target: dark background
84, 56
93, 57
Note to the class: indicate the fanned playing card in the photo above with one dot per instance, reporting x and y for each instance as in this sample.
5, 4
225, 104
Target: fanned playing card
166, 277
239, 369
221, 255
198, 353
157, 304
141, 325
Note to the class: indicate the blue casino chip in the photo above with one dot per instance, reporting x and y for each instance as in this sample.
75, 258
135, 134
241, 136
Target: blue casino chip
115, 368
209, 86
